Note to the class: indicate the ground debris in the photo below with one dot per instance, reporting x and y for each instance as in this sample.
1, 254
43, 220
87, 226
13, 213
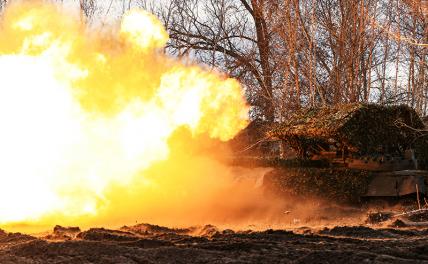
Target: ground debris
207, 231
63, 233
397, 224
102, 234
418, 216
149, 229
11, 238
378, 217
350, 244
356, 231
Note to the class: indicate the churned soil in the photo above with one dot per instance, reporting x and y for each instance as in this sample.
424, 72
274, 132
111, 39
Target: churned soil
144, 243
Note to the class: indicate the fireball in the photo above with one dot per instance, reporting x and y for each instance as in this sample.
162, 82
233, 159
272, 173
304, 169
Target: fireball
85, 113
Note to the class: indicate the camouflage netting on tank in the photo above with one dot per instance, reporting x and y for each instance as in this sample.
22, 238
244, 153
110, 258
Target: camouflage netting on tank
365, 128
337, 184
247, 141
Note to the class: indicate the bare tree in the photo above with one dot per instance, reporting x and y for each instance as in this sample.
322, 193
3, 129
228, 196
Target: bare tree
3, 4
88, 8
300, 53
232, 35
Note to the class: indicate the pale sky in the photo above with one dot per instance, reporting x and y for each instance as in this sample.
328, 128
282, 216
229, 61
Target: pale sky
107, 10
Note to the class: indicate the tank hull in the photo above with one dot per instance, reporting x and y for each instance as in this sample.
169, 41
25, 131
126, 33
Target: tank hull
397, 183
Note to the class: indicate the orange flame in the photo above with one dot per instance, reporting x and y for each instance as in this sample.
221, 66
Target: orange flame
83, 113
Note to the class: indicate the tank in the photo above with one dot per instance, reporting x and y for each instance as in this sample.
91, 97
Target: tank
366, 150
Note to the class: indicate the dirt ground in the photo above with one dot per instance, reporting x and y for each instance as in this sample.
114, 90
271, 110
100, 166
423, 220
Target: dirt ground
144, 243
